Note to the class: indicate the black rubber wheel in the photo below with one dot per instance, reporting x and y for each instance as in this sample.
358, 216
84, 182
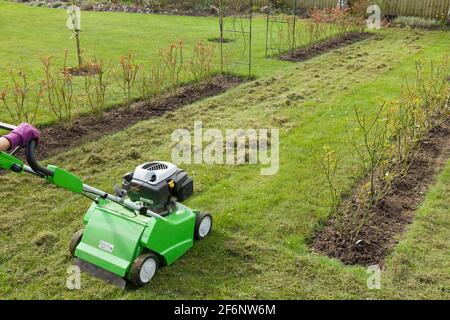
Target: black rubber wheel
203, 225
144, 269
75, 241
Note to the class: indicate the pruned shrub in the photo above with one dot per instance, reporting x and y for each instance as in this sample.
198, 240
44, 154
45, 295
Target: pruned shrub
96, 85
173, 60
22, 99
323, 26
200, 64
153, 82
387, 143
126, 77
59, 91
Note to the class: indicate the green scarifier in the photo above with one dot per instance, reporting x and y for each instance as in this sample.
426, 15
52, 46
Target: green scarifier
127, 236
129, 233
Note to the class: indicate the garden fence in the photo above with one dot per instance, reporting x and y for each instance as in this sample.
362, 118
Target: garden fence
419, 8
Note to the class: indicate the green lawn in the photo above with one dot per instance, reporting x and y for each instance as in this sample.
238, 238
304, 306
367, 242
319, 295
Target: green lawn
108, 36
262, 223
36, 32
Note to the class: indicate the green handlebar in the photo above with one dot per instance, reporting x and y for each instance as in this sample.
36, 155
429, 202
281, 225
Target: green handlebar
64, 179
59, 177
9, 162
52, 174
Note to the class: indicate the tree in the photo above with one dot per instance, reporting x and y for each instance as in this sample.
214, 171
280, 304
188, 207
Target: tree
217, 6
74, 24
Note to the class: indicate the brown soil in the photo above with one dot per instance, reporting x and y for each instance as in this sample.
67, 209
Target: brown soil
325, 46
223, 40
83, 70
394, 212
56, 139
168, 10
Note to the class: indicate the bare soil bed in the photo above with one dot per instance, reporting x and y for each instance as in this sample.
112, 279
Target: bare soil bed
391, 216
325, 46
180, 9
56, 138
82, 71
219, 40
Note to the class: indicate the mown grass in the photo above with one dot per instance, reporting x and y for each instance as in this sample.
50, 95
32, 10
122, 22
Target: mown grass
108, 36
259, 247
419, 265
31, 33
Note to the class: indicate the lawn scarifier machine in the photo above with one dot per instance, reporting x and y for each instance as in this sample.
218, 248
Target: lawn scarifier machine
128, 235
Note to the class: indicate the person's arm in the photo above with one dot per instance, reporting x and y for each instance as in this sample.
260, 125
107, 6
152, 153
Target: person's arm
19, 137
4, 144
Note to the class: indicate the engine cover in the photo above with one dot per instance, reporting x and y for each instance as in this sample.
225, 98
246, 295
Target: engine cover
155, 183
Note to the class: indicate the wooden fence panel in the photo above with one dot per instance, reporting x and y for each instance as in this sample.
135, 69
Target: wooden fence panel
419, 8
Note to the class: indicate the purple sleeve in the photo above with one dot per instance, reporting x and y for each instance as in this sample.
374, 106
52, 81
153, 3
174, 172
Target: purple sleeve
23, 134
